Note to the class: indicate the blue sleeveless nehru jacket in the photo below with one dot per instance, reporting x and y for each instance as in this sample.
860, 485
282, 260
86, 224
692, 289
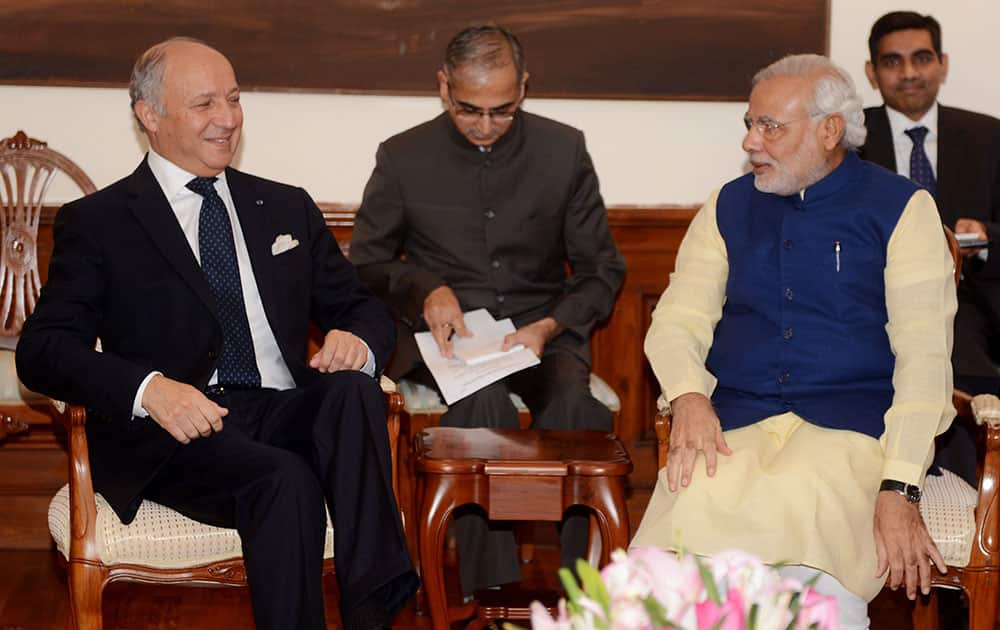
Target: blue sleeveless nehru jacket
803, 326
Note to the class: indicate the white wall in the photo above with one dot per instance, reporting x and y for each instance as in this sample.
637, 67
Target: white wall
645, 152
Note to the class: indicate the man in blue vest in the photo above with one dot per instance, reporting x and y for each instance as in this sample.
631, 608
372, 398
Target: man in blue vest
803, 348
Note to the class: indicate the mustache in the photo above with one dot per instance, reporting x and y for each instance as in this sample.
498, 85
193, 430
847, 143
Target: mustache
475, 133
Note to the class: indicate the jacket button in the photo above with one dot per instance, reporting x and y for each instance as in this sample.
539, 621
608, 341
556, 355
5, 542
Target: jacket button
789, 294
501, 298
784, 378
788, 333
787, 243
495, 264
490, 214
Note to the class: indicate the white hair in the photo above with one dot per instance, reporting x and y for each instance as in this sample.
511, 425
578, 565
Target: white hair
833, 92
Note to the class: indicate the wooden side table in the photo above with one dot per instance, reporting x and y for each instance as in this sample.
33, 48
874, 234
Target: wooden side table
515, 475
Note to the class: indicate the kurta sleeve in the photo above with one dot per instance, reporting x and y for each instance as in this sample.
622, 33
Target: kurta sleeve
921, 303
684, 320
597, 265
377, 245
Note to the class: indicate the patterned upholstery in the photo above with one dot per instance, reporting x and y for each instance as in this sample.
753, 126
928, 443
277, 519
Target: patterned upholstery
948, 507
422, 399
158, 537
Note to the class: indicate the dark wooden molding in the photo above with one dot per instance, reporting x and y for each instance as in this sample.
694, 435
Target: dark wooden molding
681, 50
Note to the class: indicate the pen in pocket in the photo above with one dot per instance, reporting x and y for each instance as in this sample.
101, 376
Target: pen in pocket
836, 254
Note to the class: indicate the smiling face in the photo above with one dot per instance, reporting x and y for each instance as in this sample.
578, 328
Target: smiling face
199, 127
907, 71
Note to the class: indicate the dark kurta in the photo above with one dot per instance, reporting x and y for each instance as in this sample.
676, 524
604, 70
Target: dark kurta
496, 226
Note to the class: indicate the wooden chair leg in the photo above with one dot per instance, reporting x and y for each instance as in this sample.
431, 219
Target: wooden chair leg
925, 612
983, 590
611, 512
86, 586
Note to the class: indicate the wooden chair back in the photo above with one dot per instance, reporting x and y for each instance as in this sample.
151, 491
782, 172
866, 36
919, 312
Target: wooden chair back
27, 168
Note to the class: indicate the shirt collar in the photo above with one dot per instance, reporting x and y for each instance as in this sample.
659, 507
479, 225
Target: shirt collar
173, 179
899, 122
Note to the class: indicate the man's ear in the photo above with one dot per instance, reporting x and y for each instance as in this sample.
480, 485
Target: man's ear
147, 116
524, 84
944, 67
443, 87
870, 73
832, 131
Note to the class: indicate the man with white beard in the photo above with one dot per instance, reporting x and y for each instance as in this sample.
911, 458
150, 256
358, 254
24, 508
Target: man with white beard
803, 349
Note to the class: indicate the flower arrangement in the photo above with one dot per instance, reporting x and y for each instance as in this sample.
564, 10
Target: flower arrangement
648, 589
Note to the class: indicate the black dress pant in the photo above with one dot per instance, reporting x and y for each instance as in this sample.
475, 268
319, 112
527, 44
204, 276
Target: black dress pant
557, 392
267, 473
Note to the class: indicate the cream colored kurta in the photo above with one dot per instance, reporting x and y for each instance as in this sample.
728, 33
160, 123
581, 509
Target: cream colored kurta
793, 492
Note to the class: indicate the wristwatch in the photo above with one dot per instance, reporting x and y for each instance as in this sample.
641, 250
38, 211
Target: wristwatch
908, 490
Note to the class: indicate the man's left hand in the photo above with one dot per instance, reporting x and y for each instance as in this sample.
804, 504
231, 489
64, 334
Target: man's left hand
341, 351
534, 336
903, 546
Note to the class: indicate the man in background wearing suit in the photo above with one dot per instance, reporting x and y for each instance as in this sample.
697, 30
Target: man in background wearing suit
955, 154
482, 207
200, 282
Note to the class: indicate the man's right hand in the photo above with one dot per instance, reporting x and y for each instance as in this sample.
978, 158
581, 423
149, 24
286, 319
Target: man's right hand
695, 427
443, 314
183, 411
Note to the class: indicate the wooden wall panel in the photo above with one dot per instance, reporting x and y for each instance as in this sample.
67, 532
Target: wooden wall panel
679, 49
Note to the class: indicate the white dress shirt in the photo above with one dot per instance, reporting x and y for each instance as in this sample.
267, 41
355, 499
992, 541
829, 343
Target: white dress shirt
186, 205
903, 144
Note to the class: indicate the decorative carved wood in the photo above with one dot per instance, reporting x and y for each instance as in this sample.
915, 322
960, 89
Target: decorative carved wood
27, 167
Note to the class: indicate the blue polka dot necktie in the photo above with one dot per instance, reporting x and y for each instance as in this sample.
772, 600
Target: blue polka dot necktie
920, 167
238, 362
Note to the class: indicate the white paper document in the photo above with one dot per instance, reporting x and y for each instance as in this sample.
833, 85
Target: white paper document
478, 360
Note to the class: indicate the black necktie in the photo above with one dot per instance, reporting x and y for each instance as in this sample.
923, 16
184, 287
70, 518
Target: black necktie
920, 167
237, 362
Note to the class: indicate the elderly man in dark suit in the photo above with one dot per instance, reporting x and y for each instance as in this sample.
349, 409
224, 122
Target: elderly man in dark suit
955, 154
482, 207
200, 282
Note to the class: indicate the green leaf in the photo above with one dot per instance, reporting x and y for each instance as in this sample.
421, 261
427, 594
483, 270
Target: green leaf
752, 618
511, 626
573, 592
709, 581
657, 614
594, 586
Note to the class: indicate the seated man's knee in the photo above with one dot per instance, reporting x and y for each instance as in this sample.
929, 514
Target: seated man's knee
489, 407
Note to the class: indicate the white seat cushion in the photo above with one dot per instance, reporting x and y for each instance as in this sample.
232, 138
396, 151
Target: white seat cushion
948, 506
422, 399
158, 537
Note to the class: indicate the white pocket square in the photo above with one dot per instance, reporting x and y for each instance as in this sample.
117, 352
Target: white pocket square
282, 243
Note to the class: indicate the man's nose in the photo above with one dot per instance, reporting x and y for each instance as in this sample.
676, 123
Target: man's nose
752, 140
484, 124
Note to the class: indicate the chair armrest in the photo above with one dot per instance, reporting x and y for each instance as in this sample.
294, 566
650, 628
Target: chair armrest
662, 426
82, 503
394, 406
985, 409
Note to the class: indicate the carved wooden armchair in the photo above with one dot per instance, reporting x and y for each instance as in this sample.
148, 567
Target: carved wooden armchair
27, 168
160, 546
963, 521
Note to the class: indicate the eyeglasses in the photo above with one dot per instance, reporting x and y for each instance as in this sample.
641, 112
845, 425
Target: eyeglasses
771, 129
468, 113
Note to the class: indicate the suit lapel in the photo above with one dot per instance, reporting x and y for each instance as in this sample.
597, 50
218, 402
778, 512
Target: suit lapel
951, 153
258, 232
152, 210
878, 144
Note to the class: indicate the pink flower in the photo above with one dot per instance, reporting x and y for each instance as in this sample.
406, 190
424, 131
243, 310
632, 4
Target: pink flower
675, 582
731, 612
817, 609
541, 620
